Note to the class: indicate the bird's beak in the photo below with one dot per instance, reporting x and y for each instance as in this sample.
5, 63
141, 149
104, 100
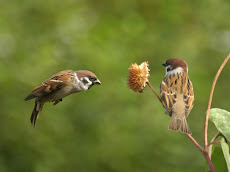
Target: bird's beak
164, 64
97, 82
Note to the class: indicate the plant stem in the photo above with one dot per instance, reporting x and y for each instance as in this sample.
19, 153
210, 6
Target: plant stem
213, 142
210, 147
210, 101
203, 151
154, 92
195, 143
210, 165
205, 154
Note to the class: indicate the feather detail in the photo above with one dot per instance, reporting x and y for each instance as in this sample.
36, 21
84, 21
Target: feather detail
178, 98
51, 85
181, 124
36, 112
59, 86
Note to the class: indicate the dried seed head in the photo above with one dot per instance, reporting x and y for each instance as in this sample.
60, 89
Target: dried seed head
138, 76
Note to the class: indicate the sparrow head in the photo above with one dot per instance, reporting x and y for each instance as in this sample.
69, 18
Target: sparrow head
87, 79
175, 65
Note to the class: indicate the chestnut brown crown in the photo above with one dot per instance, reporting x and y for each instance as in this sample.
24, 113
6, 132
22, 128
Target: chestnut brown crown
175, 63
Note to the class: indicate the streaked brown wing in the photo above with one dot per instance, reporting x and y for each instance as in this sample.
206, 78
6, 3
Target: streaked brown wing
60, 74
168, 93
188, 95
47, 87
177, 84
51, 85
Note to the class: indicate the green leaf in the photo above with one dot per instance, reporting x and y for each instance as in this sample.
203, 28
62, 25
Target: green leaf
221, 119
218, 160
225, 149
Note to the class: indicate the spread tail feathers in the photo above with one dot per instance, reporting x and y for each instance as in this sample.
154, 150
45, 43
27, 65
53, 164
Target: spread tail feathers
35, 114
181, 124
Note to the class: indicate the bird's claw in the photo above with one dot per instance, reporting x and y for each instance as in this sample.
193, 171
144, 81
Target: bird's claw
57, 101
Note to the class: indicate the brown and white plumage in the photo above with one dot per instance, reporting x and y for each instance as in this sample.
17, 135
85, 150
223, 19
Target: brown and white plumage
177, 94
59, 86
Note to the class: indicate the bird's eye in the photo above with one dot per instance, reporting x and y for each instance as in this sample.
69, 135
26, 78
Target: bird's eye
168, 68
85, 81
91, 78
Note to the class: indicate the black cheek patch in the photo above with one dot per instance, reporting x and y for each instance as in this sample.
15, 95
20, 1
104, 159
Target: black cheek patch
85, 81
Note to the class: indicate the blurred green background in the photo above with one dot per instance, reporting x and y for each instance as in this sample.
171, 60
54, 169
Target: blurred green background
108, 128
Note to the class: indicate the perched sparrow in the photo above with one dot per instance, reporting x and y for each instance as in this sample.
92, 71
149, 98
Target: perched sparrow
59, 86
177, 94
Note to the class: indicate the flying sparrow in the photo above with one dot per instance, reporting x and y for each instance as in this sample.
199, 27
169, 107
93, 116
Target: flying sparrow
177, 94
59, 86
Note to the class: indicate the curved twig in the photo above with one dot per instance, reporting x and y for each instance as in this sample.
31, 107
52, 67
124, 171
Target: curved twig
203, 151
205, 154
210, 147
195, 143
154, 91
210, 101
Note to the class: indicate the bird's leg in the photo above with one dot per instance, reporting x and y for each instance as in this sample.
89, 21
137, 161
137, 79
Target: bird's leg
57, 101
